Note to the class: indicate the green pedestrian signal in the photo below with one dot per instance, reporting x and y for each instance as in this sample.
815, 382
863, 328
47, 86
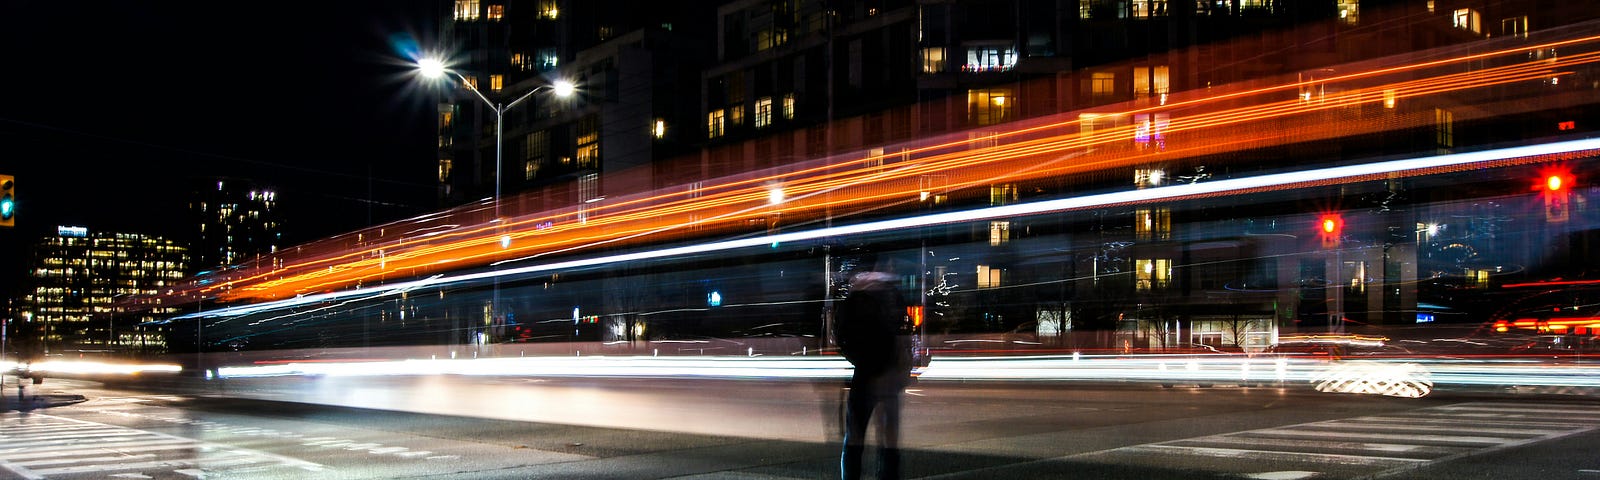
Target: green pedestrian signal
8, 201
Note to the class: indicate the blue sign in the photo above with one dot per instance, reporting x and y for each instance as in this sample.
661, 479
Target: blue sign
1424, 317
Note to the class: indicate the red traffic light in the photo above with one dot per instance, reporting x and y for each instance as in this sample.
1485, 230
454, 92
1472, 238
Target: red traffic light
1330, 224
1555, 181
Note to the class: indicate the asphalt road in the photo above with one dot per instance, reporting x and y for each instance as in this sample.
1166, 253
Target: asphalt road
491, 427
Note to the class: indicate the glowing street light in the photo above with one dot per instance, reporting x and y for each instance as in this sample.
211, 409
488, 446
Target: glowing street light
433, 68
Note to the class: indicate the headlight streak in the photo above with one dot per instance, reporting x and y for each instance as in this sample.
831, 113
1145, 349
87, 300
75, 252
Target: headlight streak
1267, 182
1402, 376
826, 178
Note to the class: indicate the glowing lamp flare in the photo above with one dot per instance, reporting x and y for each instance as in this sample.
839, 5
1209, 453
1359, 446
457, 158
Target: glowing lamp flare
430, 67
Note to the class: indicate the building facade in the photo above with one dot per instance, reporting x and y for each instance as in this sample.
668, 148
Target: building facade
235, 220
79, 279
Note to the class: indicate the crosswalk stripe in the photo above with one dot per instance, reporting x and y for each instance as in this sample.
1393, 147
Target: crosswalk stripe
1296, 432
1379, 443
123, 447
1356, 424
1322, 457
52, 445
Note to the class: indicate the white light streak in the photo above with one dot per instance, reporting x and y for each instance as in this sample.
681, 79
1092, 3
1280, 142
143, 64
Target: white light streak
1236, 185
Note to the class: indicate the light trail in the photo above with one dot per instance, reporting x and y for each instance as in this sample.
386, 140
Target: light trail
726, 205
1279, 181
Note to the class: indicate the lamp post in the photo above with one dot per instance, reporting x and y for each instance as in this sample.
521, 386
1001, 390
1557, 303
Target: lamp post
434, 68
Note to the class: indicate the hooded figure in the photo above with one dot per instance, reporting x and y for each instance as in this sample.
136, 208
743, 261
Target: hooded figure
871, 330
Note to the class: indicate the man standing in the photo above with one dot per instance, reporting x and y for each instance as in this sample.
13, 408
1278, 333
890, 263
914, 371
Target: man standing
870, 327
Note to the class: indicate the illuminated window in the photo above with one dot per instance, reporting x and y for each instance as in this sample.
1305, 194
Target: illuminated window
588, 192
497, 12
1444, 127
466, 10
659, 131
990, 58
1102, 85
1149, 177
1357, 280
771, 37
1149, 8
988, 107
1467, 19
1152, 224
788, 106
548, 10
715, 124
763, 112
1002, 194
471, 81
1103, 9
1149, 130
1515, 26
536, 146
1477, 278
497, 82
1151, 274
444, 170
988, 277
999, 233
736, 115
548, 58
1349, 11
933, 60
588, 148
520, 62
1150, 82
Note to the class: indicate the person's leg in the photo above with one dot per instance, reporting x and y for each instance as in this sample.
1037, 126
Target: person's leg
858, 412
889, 451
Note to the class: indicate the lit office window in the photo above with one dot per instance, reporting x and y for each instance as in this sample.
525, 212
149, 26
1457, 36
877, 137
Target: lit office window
497, 12
1467, 19
1151, 82
715, 123
736, 115
1149, 177
933, 60
1151, 274
588, 143
788, 106
466, 10
1444, 128
659, 131
548, 9
989, 106
999, 233
497, 82
1149, 8
1002, 194
1350, 12
444, 170
1152, 224
763, 112
1102, 85
548, 58
988, 277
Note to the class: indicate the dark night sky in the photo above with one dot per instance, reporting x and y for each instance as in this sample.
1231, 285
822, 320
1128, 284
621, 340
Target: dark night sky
111, 110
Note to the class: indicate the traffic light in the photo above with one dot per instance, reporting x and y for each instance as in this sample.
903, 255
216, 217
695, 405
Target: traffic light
1555, 186
1330, 227
8, 201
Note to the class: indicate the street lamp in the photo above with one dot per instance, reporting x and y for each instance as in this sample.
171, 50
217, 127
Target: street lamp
433, 68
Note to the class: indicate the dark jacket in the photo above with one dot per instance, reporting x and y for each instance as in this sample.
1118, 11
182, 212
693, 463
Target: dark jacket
870, 325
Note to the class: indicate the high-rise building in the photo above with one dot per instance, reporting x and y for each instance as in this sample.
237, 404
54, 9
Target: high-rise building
636, 67
79, 277
235, 220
